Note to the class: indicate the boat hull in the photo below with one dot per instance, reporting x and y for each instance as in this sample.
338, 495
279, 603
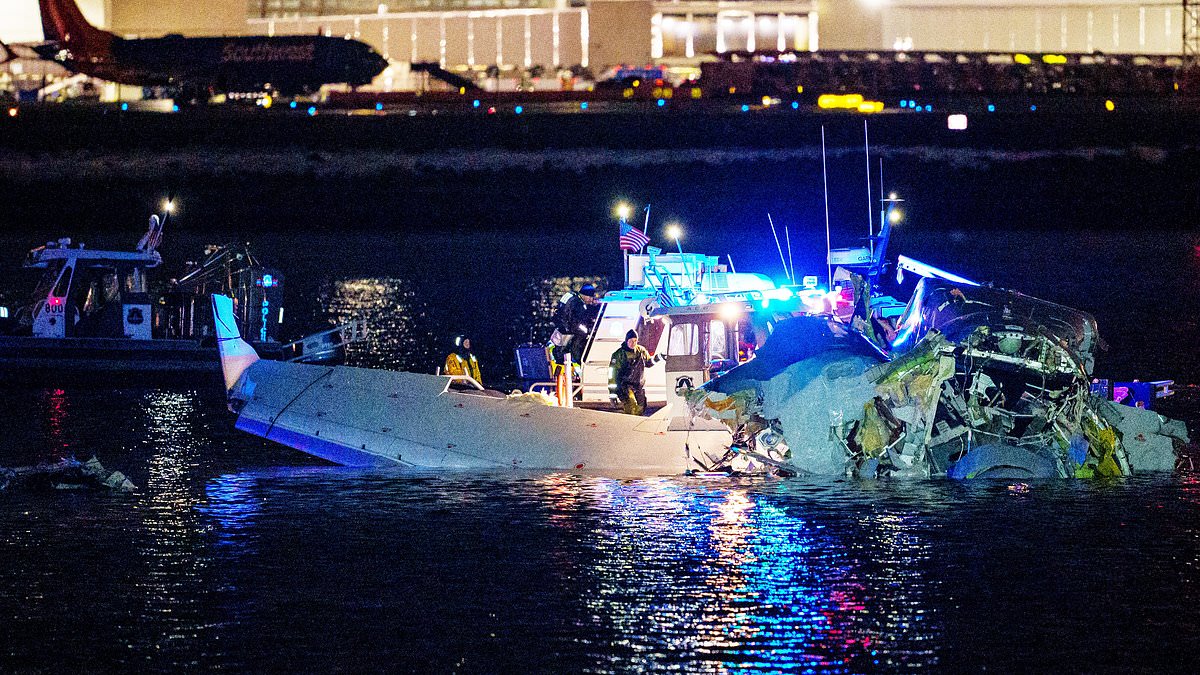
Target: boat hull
89, 355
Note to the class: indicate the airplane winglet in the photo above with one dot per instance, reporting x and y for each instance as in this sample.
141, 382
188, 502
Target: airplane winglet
236, 354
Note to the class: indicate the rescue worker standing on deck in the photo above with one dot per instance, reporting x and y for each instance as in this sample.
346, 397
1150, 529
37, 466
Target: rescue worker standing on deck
461, 361
573, 321
627, 374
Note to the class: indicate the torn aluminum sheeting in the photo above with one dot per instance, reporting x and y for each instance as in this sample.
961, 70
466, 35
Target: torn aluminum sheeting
790, 406
995, 385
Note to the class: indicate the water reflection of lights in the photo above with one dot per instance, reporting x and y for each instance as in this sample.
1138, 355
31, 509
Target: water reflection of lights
722, 574
173, 534
400, 334
57, 413
233, 505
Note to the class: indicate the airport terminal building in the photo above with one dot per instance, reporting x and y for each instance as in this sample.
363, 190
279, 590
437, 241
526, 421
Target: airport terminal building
511, 37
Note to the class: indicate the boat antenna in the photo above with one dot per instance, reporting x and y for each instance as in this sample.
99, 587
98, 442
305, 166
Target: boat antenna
779, 248
646, 225
825, 180
882, 202
788, 237
870, 204
731, 267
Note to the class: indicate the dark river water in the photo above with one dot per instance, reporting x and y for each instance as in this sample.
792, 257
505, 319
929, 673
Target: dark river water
238, 555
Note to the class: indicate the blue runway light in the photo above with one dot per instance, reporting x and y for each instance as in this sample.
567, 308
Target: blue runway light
661, 102
124, 106
928, 108
745, 108
991, 108
795, 105
312, 110
1033, 108
292, 105
903, 103
175, 108
583, 106
379, 106
475, 103
519, 110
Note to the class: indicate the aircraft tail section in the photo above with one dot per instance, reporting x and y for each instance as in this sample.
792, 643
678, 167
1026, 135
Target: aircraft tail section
6, 54
62, 22
236, 354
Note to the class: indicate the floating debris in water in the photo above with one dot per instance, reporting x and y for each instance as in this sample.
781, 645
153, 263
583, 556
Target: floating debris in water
66, 474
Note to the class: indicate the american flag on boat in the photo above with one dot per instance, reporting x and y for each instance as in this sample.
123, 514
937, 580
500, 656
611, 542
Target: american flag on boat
632, 239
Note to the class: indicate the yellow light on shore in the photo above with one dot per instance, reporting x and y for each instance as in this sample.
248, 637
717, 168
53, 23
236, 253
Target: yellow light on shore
833, 101
1109, 105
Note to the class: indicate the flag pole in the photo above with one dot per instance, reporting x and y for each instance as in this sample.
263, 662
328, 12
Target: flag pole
624, 253
825, 182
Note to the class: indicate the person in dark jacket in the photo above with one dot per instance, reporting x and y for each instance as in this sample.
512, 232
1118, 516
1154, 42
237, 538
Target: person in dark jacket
573, 321
627, 374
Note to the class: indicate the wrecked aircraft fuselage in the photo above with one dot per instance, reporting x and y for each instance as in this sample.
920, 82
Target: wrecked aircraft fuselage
978, 382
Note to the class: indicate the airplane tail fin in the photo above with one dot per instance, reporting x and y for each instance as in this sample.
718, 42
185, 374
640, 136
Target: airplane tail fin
6, 54
236, 354
62, 22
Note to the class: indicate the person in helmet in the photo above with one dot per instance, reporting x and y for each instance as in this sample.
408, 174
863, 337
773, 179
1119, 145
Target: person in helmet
573, 321
627, 374
461, 361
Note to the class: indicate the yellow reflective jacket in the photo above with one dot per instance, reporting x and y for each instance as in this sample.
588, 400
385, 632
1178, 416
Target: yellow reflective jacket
457, 365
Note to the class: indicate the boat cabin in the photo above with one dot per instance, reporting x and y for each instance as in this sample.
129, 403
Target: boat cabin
91, 293
686, 307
